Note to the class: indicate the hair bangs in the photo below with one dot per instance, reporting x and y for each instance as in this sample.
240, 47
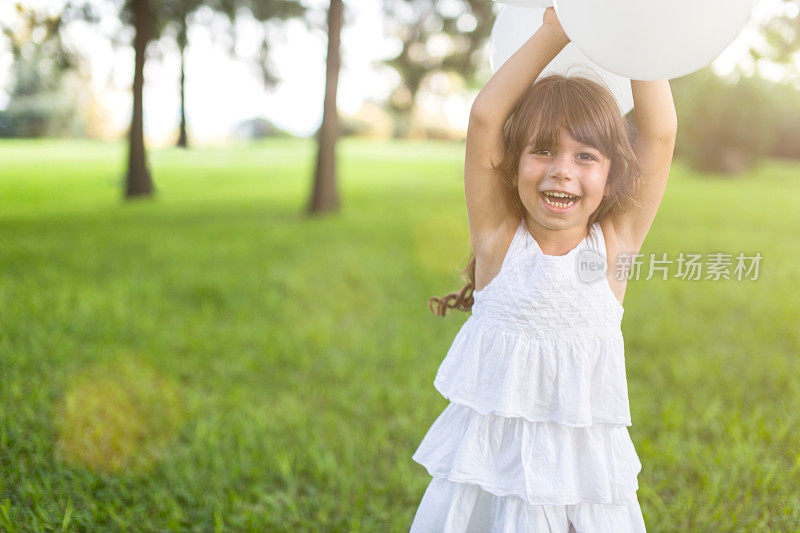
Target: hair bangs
558, 109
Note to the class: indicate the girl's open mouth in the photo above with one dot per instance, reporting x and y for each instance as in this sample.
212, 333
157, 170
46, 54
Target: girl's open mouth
559, 202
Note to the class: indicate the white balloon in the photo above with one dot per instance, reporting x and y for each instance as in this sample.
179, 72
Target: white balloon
652, 39
515, 25
527, 3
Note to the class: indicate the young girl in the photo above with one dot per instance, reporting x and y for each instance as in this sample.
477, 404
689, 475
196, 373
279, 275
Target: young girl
535, 437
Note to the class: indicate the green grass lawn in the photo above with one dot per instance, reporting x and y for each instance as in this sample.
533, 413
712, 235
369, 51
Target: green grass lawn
212, 359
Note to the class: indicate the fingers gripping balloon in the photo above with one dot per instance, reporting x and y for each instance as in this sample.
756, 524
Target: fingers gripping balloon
642, 39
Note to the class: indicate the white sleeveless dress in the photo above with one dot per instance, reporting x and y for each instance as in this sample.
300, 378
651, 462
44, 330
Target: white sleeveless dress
535, 436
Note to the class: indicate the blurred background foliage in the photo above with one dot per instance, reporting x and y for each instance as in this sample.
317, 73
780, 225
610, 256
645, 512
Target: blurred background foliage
728, 127
46, 76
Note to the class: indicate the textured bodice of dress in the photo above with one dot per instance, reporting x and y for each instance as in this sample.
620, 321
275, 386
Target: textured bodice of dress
547, 296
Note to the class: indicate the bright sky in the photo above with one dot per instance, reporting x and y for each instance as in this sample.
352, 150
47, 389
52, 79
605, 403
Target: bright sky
222, 90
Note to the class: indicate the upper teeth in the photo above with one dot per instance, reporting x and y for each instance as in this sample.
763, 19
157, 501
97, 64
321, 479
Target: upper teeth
560, 194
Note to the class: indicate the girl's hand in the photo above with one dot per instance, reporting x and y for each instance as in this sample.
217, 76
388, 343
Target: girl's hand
551, 20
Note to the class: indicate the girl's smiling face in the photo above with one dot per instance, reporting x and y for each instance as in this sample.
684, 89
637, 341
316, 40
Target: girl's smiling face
572, 168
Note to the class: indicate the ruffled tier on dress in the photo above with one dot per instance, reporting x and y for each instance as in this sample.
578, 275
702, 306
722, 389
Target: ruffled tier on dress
574, 380
538, 462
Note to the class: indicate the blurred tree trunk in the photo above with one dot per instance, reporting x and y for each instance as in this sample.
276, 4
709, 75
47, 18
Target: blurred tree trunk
138, 181
325, 196
182, 40
177, 14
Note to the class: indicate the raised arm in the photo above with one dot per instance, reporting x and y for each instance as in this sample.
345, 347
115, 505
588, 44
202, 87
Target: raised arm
657, 123
485, 145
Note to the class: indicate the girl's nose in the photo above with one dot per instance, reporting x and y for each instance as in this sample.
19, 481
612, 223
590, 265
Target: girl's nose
561, 166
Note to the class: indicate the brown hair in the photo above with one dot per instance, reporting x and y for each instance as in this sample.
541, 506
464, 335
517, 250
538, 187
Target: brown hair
590, 114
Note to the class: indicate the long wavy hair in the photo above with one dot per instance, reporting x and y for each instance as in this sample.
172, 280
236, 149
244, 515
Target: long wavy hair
588, 111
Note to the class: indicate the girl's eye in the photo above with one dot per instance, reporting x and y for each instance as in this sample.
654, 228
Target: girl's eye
590, 157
